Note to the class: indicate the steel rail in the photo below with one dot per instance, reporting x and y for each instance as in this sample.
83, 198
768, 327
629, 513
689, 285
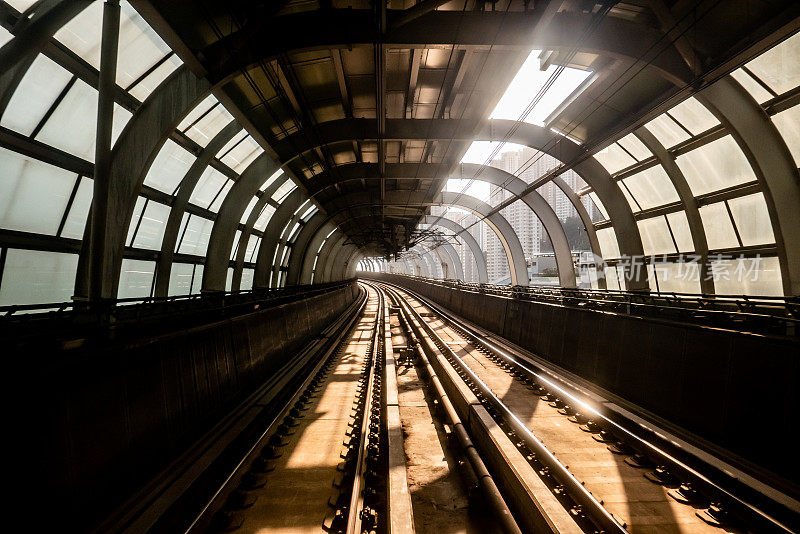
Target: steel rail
356, 495
485, 480
344, 325
573, 486
763, 519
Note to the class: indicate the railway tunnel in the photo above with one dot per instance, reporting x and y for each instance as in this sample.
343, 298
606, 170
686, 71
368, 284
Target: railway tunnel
398, 266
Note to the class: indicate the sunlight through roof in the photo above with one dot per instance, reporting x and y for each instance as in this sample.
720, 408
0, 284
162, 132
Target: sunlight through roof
530, 79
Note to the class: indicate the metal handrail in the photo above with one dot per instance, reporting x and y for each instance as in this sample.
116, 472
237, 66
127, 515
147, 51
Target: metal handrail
777, 313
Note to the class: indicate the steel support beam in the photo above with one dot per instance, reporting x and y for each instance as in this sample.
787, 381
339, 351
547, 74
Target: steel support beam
772, 163
475, 249
133, 153
667, 161
181, 202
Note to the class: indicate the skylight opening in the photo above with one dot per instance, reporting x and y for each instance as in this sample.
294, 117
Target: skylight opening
530, 79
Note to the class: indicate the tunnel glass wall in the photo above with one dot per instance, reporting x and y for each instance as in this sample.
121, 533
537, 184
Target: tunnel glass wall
698, 179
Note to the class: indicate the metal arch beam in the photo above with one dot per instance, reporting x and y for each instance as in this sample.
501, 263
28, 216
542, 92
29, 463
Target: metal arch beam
434, 267
348, 28
134, 151
594, 243
230, 213
310, 254
181, 201
619, 211
352, 262
337, 249
46, 20
475, 249
667, 161
536, 137
301, 245
326, 255
540, 207
255, 213
423, 262
505, 233
772, 163
272, 236
455, 260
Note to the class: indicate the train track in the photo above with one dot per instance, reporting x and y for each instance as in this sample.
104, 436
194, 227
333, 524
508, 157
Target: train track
412, 421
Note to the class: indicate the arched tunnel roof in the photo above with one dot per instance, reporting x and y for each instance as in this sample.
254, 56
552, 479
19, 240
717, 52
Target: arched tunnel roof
185, 145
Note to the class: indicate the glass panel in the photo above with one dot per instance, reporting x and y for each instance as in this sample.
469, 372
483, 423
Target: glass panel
121, 118
666, 131
788, 124
197, 111
221, 196
656, 238
82, 34
715, 166
229, 279
241, 134
248, 209
33, 194
247, 279
679, 225
209, 184
694, 116
752, 219
242, 155
779, 67
79, 211
137, 213
180, 279
608, 243
632, 144
209, 125
151, 229
21, 5
198, 279
37, 277
251, 250
139, 46
747, 276
264, 217
599, 205
235, 244
35, 94
613, 158
628, 197
136, 279
611, 278
195, 238
5, 36
718, 226
652, 187
169, 167
677, 277
283, 191
144, 88
515, 104
271, 179
308, 213
72, 125
755, 89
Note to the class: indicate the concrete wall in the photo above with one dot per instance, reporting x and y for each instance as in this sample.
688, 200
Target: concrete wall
738, 391
101, 422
